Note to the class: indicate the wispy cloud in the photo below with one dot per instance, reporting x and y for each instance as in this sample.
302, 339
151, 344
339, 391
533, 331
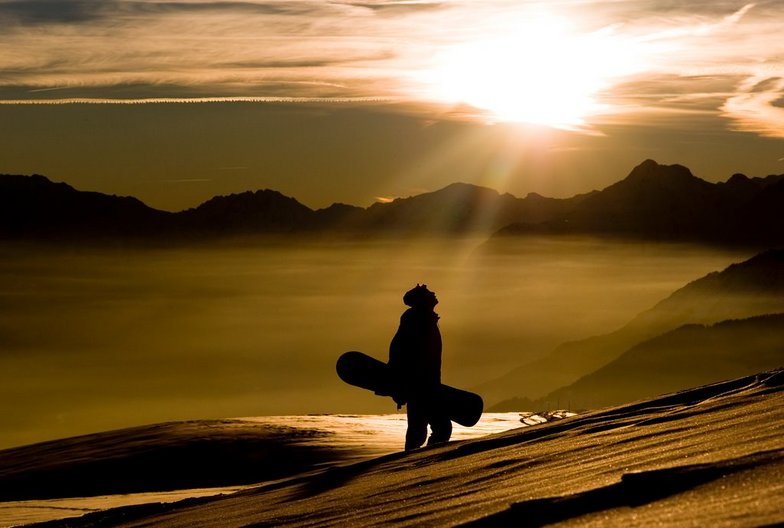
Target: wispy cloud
708, 63
39, 12
46, 12
276, 49
195, 100
758, 107
187, 180
694, 56
396, 8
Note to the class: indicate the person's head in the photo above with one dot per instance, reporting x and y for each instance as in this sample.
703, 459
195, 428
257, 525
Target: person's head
420, 297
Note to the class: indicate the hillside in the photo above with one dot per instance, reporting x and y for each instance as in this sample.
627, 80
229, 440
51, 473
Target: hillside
709, 456
688, 356
32, 207
750, 288
229, 452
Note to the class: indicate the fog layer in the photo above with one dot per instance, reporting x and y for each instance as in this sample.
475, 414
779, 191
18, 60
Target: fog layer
93, 340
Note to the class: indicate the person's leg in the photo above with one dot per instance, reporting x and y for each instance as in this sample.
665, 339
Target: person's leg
442, 429
416, 434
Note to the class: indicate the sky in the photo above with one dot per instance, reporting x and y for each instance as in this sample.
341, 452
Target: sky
177, 101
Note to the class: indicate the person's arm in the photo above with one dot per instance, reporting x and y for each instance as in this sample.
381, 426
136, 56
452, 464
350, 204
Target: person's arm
399, 349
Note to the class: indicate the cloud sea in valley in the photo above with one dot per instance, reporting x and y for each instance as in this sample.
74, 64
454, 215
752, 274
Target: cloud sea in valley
99, 339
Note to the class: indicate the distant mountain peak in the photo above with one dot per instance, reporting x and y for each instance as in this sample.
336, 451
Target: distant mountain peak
647, 164
248, 196
650, 169
761, 275
258, 210
738, 178
766, 268
462, 188
769, 256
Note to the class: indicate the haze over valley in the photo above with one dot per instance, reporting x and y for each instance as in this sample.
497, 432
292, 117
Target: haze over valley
103, 332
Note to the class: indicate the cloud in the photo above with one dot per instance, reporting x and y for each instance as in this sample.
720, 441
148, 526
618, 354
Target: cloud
693, 56
187, 180
395, 8
195, 100
706, 59
38, 12
287, 50
757, 107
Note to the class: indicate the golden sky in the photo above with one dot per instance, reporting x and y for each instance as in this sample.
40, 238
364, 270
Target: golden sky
353, 101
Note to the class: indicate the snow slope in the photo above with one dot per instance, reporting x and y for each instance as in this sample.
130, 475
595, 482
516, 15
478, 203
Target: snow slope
169, 462
708, 456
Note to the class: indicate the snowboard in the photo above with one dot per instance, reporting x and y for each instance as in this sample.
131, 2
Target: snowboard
361, 370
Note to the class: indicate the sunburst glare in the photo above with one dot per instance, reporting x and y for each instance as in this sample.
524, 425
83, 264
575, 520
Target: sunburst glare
541, 71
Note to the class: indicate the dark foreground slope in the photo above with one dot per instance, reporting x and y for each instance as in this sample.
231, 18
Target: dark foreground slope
163, 457
701, 457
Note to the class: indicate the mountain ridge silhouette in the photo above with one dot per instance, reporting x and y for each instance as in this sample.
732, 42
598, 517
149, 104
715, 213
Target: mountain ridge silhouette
669, 203
658, 202
35, 207
675, 360
667, 363
751, 288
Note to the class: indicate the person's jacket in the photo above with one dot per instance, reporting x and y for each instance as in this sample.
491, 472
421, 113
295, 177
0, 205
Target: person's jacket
415, 354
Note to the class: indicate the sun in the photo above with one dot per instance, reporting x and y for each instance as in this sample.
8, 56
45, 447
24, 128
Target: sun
541, 73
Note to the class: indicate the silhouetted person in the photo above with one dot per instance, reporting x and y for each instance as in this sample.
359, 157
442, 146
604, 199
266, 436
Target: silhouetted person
415, 359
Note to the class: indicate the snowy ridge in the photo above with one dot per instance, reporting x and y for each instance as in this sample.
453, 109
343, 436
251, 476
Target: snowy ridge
713, 455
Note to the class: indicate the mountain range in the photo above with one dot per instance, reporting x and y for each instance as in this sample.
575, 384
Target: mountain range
676, 360
722, 325
660, 202
667, 202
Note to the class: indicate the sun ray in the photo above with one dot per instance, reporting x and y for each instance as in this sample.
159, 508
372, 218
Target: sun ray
544, 72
